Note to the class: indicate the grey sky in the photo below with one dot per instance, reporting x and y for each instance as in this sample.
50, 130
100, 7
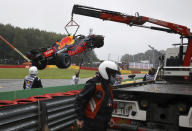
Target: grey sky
120, 39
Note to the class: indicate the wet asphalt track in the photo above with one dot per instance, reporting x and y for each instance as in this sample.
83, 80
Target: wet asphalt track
17, 84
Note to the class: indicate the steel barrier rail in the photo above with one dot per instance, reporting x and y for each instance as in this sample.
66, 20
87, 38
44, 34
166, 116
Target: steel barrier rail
57, 113
60, 112
72, 116
59, 101
133, 84
61, 126
19, 117
26, 125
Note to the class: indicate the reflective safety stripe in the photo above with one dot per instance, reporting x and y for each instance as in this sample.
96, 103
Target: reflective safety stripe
29, 80
98, 84
92, 104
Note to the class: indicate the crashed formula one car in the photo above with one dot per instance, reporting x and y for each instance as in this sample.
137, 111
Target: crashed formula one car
60, 53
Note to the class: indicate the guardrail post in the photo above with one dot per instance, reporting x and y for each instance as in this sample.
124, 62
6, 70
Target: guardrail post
43, 120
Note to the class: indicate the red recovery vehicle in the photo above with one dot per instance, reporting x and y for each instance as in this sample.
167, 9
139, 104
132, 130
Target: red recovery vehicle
139, 21
164, 104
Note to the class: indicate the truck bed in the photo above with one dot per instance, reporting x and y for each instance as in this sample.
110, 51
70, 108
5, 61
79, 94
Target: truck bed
158, 87
154, 91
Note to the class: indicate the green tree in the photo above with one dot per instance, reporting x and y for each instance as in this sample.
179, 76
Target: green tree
27, 39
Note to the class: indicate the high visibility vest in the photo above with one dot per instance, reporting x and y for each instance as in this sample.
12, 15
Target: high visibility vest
94, 103
29, 80
149, 77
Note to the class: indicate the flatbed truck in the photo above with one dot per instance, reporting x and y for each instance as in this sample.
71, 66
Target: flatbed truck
162, 104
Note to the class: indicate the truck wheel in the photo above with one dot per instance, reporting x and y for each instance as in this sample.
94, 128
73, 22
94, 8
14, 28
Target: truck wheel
40, 64
63, 60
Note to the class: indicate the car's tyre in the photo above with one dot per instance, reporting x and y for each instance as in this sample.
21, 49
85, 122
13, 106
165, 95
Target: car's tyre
63, 60
96, 42
40, 64
99, 41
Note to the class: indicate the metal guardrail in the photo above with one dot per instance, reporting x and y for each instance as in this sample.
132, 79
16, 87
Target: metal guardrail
134, 84
60, 112
19, 117
57, 113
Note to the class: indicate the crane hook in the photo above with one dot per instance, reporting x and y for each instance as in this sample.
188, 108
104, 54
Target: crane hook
70, 24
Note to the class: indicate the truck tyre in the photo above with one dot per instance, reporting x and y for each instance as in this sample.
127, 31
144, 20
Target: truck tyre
40, 64
63, 60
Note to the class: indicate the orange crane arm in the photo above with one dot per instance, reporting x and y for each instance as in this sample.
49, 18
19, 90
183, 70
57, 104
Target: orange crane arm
139, 21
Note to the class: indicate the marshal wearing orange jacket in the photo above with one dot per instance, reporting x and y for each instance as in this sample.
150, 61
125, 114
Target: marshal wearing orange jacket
94, 105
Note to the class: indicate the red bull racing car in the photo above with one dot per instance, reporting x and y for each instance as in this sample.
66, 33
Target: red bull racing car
60, 53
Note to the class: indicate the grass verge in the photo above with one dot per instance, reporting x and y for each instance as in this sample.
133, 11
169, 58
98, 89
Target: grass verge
49, 73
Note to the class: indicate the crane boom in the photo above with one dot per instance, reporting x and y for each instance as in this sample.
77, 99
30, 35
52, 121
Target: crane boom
139, 21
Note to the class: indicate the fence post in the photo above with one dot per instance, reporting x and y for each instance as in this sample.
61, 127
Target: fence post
43, 120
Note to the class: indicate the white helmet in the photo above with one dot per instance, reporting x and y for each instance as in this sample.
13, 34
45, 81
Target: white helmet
107, 69
33, 70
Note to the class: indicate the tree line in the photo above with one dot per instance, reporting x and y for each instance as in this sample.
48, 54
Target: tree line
27, 39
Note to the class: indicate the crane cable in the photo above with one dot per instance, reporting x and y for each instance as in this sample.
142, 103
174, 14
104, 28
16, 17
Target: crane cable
80, 63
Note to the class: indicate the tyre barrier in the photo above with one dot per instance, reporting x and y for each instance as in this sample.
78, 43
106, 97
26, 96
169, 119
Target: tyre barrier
74, 92
56, 114
68, 94
40, 97
6, 103
37, 98
24, 101
54, 95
